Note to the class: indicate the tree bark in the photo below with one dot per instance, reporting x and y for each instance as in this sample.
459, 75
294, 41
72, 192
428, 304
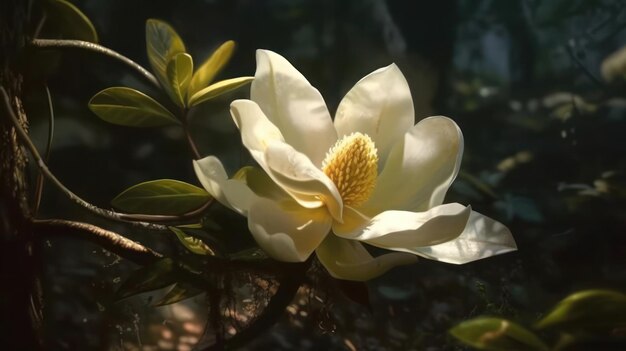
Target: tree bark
20, 307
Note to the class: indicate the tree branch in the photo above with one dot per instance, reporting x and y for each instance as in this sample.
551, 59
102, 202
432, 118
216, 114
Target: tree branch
109, 240
85, 45
75, 198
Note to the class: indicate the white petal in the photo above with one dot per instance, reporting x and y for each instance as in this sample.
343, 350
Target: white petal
352, 222
483, 237
256, 129
379, 105
293, 105
402, 229
419, 169
295, 173
231, 193
348, 259
287, 233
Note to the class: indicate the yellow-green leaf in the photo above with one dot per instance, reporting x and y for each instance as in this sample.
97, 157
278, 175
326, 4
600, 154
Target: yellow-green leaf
161, 197
177, 293
217, 89
211, 67
192, 244
495, 334
130, 107
162, 44
151, 277
179, 71
70, 21
588, 310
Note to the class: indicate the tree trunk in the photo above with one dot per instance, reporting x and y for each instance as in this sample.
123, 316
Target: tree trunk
19, 301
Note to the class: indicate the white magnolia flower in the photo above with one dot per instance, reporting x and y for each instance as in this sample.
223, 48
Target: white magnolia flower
370, 176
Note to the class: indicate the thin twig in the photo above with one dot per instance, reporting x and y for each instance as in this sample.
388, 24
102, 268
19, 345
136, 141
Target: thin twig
167, 218
39, 185
85, 45
75, 198
586, 71
40, 24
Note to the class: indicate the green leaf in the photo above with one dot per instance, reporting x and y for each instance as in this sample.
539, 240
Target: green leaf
70, 21
163, 196
151, 277
162, 44
129, 107
191, 226
495, 334
211, 67
589, 309
217, 89
178, 293
251, 254
192, 244
179, 71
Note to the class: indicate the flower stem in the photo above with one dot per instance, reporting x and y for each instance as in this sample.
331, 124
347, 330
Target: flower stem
190, 141
85, 45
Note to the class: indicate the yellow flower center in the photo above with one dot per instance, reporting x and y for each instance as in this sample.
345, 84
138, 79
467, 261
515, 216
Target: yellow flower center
352, 164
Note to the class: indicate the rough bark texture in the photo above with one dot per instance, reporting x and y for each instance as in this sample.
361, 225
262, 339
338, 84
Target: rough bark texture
19, 302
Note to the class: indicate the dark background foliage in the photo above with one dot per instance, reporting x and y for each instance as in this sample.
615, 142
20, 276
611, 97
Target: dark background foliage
544, 154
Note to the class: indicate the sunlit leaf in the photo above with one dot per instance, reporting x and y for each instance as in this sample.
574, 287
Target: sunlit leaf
589, 309
162, 44
211, 67
614, 66
163, 196
179, 292
495, 334
130, 107
217, 89
151, 277
70, 21
192, 244
179, 72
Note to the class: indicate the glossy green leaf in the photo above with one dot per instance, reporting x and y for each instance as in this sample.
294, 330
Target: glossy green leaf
179, 292
217, 89
588, 310
495, 334
192, 243
151, 277
211, 67
163, 196
70, 21
179, 71
130, 107
162, 44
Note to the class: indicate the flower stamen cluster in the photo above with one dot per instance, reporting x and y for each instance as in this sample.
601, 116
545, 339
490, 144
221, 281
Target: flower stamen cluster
352, 164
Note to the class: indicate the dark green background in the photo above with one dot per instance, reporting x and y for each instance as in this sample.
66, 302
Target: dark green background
490, 65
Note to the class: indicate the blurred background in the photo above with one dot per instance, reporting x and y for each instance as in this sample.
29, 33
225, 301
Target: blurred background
532, 84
